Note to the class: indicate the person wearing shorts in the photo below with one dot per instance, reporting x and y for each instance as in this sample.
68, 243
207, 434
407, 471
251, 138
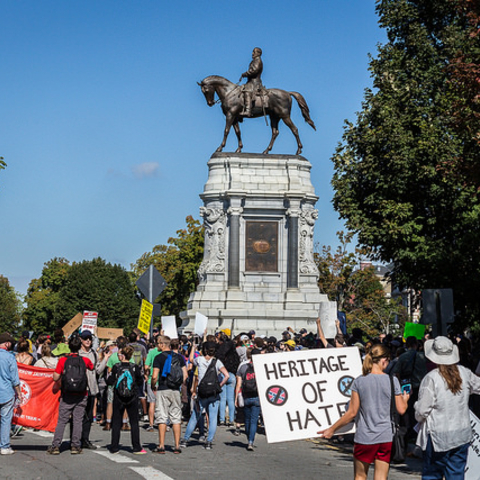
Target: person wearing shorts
370, 408
152, 354
168, 404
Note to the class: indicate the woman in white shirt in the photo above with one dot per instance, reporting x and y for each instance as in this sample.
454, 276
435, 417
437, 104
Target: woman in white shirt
443, 413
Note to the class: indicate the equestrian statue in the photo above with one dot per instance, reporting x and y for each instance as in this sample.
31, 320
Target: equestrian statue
253, 100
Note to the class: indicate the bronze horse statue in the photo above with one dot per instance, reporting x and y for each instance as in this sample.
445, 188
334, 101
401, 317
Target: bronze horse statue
278, 105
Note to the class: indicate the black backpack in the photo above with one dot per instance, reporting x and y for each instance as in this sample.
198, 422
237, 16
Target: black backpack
74, 378
174, 378
249, 382
125, 386
209, 386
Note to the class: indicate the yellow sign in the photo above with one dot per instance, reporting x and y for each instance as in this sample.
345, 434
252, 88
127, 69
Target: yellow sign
145, 317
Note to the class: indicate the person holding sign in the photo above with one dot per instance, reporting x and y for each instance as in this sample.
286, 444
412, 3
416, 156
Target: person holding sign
370, 408
442, 411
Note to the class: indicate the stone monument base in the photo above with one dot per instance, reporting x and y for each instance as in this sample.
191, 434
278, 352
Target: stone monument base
258, 271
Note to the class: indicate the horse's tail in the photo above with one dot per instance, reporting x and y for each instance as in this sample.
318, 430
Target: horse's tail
303, 107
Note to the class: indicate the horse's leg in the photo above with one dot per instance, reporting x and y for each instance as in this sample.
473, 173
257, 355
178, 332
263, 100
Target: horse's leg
236, 127
228, 125
288, 122
274, 120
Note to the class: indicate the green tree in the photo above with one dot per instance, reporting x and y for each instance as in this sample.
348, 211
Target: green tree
399, 179
178, 263
101, 287
43, 296
10, 306
357, 291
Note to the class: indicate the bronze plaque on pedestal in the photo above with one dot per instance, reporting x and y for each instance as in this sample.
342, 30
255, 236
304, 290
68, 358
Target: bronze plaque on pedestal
261, 246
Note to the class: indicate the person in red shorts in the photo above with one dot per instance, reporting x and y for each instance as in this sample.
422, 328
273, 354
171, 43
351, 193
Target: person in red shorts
73, 376
370, 408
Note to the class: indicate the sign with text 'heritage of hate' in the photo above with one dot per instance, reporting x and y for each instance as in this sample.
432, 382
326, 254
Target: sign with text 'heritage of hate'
145, 317
303, 392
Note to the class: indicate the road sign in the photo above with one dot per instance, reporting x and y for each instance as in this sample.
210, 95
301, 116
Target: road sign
151, 283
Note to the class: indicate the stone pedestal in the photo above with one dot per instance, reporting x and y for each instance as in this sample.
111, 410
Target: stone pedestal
258, 270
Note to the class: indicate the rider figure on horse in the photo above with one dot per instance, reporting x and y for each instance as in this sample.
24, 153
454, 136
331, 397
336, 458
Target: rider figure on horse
254, 81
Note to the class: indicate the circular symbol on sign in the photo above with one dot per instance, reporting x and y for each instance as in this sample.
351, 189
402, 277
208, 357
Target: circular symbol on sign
26, 394
345, 385
261, 246
277, 395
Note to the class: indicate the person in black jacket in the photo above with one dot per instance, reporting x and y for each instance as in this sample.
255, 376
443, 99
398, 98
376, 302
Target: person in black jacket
227, 354
120, 404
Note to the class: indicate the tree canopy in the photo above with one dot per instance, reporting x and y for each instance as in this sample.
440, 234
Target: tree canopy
404, 173
10, 306
65, 289
357, 290
178, 263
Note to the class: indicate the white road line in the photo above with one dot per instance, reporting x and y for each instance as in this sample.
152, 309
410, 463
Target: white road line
115, 458
41, 433
150, 473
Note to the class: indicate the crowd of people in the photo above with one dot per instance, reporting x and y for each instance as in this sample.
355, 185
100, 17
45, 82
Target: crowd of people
210, 381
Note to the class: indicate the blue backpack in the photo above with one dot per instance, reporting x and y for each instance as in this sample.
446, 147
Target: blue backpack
125, 387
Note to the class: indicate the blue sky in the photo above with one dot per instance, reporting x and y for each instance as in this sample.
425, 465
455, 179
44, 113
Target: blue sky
107, 135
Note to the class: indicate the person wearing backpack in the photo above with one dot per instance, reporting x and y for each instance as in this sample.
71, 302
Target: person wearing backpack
227, 354
139, 358
125, 379
72, 371
169, 373
208, 391
247, 385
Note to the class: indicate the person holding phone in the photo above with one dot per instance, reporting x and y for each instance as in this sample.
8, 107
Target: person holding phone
370, 408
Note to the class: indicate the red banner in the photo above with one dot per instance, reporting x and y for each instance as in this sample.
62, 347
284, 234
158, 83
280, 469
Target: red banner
41, 396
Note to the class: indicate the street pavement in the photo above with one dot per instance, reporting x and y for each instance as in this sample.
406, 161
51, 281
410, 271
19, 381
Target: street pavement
229, 459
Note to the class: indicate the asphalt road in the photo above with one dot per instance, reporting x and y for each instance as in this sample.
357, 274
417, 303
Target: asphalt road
228, 459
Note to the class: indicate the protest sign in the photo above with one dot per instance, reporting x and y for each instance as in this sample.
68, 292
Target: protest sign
201, 322
89, 321
472, 468
303, 392
40, 399
145, 317
327, 312
169, 326
72, 325
109, 333
414, 330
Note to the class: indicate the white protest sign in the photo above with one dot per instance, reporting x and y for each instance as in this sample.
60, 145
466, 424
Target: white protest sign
328, 315
473, 460
303, 392
89, 321
201, 322
169, 326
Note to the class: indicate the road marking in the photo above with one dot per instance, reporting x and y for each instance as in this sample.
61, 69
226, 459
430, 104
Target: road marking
150, 473
115, 458
42, 433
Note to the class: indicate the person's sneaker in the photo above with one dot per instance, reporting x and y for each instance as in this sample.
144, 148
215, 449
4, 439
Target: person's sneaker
208, 445
250, 447
126, 427
75, 450
107, 427
7, 451
221, 424
150, 428
53, 450
145, 418
202, 439
140, 452
183, 443
16, 430
89, 445
237, 432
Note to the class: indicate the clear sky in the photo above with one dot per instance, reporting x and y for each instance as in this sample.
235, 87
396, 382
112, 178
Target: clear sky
107, 135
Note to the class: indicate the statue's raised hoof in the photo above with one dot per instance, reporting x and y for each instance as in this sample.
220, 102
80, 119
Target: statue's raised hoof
299, 151
238, 150
219, 149
266, 152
